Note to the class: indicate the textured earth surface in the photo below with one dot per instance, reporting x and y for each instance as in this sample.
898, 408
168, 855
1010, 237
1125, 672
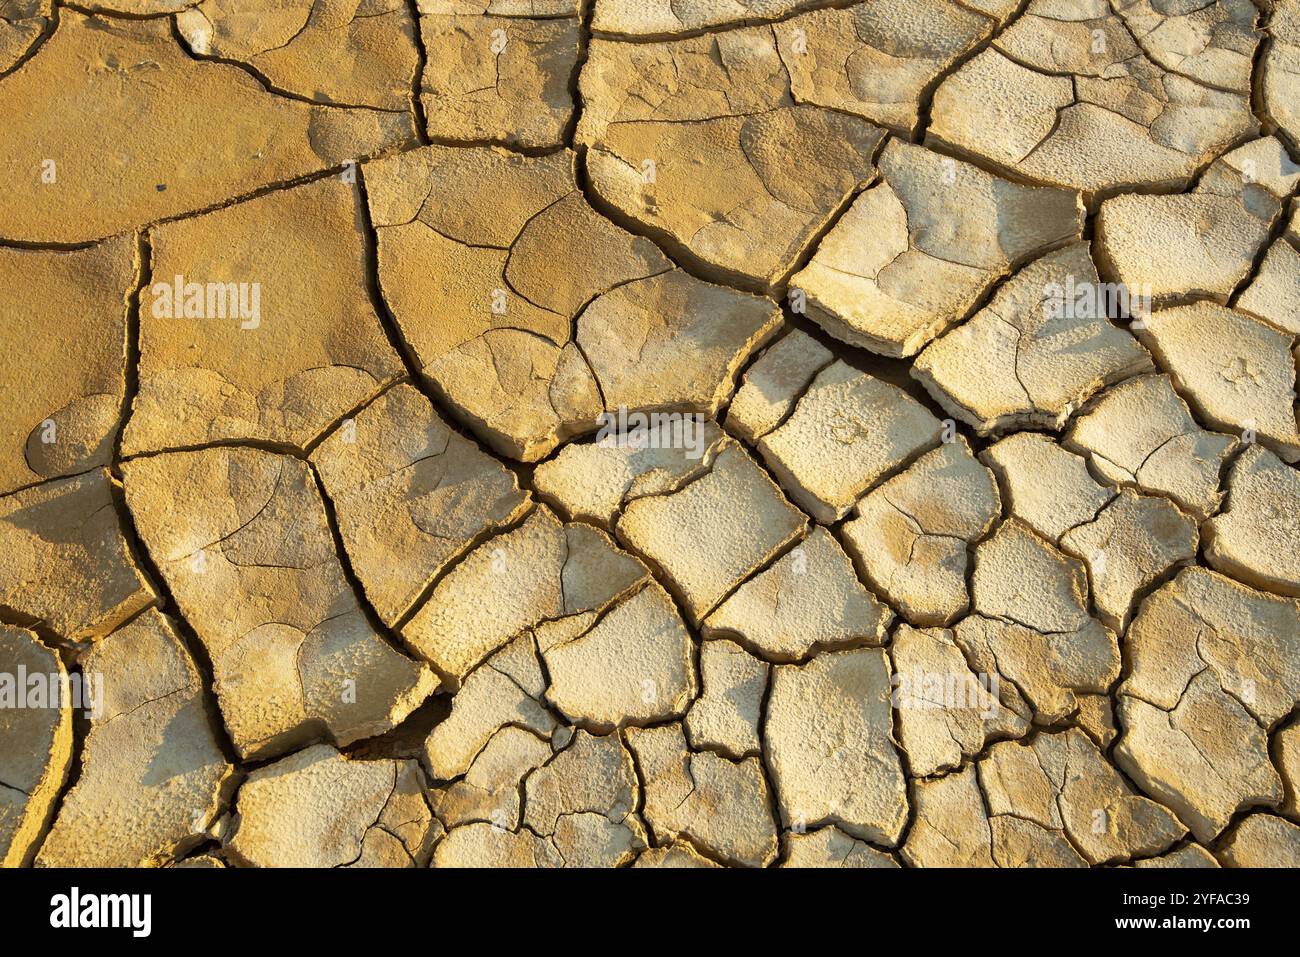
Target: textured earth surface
655, 433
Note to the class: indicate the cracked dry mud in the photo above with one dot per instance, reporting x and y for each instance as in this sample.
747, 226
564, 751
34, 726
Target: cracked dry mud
919, 541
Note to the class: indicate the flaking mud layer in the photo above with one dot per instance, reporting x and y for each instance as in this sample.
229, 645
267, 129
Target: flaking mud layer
656, 433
